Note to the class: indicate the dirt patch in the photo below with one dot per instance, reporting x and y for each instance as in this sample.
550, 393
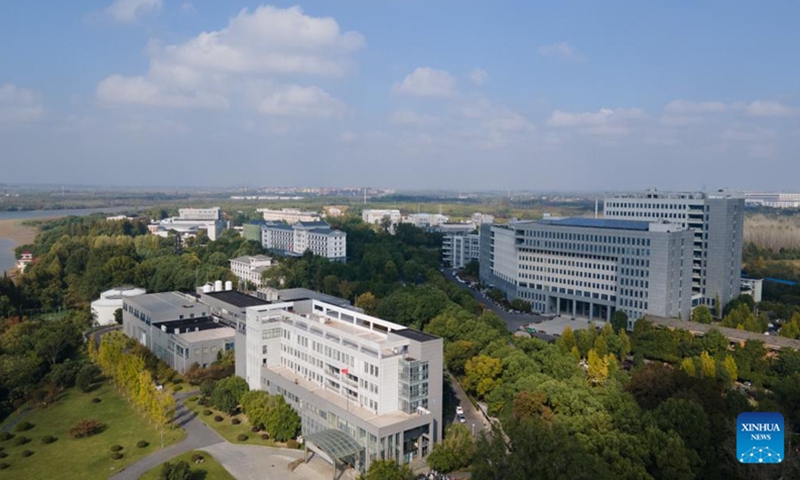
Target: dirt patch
16, 231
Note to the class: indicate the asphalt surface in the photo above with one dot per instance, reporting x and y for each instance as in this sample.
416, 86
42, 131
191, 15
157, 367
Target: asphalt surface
475, 420
513, 321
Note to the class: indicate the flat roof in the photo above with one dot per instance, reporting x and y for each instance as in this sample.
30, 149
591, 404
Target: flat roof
209, 334
161, 302
195, 322
293, 294
415, 335
237, 299
598, 223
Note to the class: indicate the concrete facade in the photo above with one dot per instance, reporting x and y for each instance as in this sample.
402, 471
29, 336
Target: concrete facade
316, 237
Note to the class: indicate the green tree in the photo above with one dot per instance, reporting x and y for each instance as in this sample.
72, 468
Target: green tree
118, 316
482, 374
598, 368
702, 314
455, 451
283, 423
688, 366
601, 346
567, 340
175, 471
707, 366
87, 376
619, 320
387, 470
368, 302
228, 392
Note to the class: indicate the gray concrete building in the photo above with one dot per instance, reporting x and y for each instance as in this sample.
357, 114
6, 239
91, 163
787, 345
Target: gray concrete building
717, 221
591, 267
377, 383
177, 328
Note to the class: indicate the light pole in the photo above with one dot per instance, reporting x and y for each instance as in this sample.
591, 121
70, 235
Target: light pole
473, 429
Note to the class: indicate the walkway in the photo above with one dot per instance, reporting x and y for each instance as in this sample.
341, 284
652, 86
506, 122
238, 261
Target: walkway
198, 435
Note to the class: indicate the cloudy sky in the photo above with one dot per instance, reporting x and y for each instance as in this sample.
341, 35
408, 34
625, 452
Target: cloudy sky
402, 93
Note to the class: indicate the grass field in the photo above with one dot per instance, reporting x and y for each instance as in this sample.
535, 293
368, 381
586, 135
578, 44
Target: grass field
210, 469
228, 430
86, 458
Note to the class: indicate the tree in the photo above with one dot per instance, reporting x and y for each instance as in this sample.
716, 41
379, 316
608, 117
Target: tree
598, 368
601, 346
283, 423
707, 366
455, 451
731, 368
482, 374
702, 314
118, 316
86, 376
567, 340
368, 302
387, 470
228, 392
619, 320
688, 366
456, 355
175, 471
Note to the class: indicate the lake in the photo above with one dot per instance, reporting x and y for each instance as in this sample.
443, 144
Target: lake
7, 245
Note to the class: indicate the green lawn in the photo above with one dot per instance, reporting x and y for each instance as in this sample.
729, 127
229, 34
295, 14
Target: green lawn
209, 469
228, 430
86, 458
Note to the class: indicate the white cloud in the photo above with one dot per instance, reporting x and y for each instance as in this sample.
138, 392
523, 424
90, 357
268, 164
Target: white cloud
761, 108
603, 117
683, 107
299, 101
680, 120
427, 82
19, 104
188, 7
563, 51
128, 11
255, 46
413, 119
478, 76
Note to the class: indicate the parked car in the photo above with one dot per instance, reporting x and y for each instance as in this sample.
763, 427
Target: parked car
462, 418
459, 410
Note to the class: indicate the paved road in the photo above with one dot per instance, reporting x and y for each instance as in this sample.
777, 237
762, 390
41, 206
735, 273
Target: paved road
476, 422
198, 435
253, 462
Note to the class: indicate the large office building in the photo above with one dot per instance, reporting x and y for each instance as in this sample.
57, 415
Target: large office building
177, 328
249, 268
460, 248
375, 216
717, 221
288, 215
426, 220
316, 237
190, 221
376, 384
772, 200
591, 267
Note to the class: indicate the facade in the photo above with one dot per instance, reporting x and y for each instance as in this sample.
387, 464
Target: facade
250, 268
717, 220
25, 259
458, 249
177, 328
591, 267
334, 211
375, 217
289, 215
378, 382
773, 200
426, 220
199, 214
316, 237
480, 218
110, 301
190, 221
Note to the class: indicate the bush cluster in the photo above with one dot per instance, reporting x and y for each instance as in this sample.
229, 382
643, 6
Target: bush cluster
48, 439
4, 465
218, 418
96, 400
177, 388
235, 421
116, 455
197, 458
254, 429
26, 453
242, 437
142, 444
193, 398
116, 448
21, 440
3, 454
86, 428
23, 426
6, 436
265, 436
206, 412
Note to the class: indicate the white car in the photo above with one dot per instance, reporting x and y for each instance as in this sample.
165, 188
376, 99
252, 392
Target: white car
459, 410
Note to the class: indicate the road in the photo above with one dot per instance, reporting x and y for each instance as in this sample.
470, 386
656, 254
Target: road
476, 422
512, 320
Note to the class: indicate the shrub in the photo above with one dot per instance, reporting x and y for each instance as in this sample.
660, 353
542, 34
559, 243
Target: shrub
242, 437
175, 471
206, 412
235, 421
293, 444
6, 436
265, 436
177, 381
87, 376
23, 426
116, 455
4, 465
193, 398
217, 418
177, 388
26, 453
142, 444
197, 458
3, 454
48, 439
86, 428
21, 440
207, 387
254, 429
116, 448
96, 400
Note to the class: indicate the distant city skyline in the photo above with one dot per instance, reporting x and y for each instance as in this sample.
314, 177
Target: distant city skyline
557, 96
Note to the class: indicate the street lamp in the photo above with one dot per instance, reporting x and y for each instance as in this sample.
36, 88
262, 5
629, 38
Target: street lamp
473, 429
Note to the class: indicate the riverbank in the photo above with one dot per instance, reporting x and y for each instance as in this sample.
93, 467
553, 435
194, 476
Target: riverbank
17, 232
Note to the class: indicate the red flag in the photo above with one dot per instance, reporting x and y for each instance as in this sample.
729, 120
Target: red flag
344, 371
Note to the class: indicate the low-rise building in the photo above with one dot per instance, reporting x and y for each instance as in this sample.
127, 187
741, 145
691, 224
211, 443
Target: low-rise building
334, 211
249, 268
316, 237
426, 220
376, 217
25, 259
177, 328
459, 248
375, 383
288, 215
190, 222
105, 307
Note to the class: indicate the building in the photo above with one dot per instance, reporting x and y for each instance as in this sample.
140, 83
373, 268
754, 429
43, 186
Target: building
426, 220
289, 215
190, 221
591, 267
481, 218
105, 307
459, 248
717, 220
375, 217
773, 200
377, 383
753, 287
25, 259
177, 328
334, 211
249, 268
316, 237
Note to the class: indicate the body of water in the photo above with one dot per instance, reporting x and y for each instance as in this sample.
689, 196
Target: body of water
7, 260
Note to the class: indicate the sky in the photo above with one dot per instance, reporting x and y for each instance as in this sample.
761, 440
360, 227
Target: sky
406, 94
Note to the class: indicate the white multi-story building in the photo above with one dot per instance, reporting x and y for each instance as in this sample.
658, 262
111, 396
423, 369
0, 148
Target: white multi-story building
773, 200
717, 220
481, 218
316, 237
376, 382
591, 267
458, 249
375, 217
190, 221
250, 268
426, 220
289, 215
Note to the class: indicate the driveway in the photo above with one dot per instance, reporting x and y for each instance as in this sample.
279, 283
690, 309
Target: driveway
253, 462
476, 422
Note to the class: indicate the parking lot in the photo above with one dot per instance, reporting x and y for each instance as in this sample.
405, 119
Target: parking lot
555, 326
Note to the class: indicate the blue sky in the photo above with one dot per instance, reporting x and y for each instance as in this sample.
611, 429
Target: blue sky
578, 95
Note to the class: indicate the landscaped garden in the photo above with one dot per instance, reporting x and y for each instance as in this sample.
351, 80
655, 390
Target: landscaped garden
199, 464
82, 436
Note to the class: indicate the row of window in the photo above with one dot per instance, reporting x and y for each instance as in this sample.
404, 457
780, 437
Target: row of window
588, 237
